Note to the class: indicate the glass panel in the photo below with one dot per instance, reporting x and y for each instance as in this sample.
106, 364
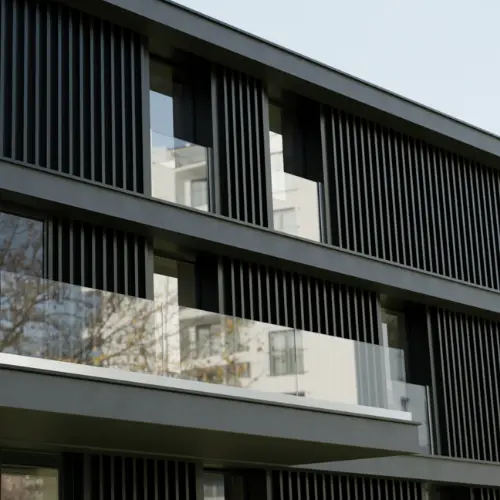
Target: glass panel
417, 404
28, 483
21, 244
345, 371
179, 171
295, 199
57, 321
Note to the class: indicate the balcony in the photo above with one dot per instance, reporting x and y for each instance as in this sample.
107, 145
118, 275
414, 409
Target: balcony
275, 388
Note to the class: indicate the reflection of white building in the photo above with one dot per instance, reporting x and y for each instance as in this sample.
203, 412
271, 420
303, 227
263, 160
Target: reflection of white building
179, 172
205, 346
180, 175
295, 200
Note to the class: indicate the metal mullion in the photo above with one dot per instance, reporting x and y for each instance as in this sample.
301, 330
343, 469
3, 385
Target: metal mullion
486, 375
491, 216
474, 429
472, 243
454, 351
386, 195
445, 371
373, 131
251, 146
370, 166
14, 53
337, 166
495, 344
345, 195
24, 156
244, 134
360, 202
477, 235
452, 213
400, 242
60, 163
3, 69
351, 221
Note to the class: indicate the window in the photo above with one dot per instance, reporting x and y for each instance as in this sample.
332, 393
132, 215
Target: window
179, 163
27, 483
286, 353
199, 194
295, 190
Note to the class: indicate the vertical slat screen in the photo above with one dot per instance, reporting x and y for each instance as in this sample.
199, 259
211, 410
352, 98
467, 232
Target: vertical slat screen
241, 146
96, 257
403, 200
484, 494
316, 486
467, 359
69, 89
103, 477
285, 299
293, 300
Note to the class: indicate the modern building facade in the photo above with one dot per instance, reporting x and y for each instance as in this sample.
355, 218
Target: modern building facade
230, 272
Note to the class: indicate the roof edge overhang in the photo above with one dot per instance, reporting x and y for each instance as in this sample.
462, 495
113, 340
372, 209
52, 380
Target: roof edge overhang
168, 24
427, 468
91, 408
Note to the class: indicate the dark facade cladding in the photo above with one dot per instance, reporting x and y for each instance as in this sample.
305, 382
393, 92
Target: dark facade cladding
229, 272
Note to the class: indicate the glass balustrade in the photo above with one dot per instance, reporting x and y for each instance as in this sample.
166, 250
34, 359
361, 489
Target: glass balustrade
57, 321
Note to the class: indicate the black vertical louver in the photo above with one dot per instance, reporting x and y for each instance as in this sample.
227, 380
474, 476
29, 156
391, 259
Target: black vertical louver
104, 477
96, 257
484, 494
241, 147
400, 199
288, 485
467, 359
71, 93
279, 297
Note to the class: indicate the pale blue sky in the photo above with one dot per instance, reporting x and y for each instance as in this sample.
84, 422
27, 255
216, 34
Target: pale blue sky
442, 53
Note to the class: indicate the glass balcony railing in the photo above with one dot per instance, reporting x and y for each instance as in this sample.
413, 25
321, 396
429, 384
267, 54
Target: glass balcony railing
179, 171
56, 321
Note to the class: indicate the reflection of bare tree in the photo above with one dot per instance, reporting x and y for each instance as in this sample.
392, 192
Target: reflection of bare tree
59, 321
64, 322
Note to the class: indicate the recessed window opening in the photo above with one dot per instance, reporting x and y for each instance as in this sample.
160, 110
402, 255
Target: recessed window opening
179, 163
295, 198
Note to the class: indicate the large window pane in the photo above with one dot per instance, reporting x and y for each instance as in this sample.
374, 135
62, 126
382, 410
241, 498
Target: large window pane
295, 199
28, 483
179, 166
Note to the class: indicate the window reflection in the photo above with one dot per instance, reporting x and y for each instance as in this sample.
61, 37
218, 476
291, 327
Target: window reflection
28, 483
286, 353
179, 167
295, 199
